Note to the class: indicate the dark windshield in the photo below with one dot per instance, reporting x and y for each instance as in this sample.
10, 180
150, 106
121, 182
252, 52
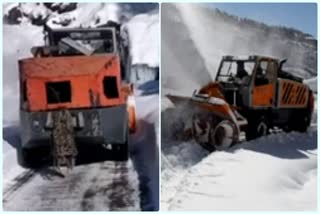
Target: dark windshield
86, 42
235, 69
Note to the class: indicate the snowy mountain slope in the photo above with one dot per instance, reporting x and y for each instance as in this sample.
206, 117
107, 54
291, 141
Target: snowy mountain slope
212, 34
98, 186
233, 36
278, 172
73, 14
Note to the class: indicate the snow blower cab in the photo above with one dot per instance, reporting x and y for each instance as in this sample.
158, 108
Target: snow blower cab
75, 90
250, 94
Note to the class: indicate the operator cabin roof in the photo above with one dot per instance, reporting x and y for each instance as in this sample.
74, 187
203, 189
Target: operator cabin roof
67, 66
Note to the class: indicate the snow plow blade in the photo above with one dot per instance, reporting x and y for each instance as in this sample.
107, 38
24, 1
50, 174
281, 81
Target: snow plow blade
178, 100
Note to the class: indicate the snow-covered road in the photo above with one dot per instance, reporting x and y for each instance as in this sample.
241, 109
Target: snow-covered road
100, 186
106, 185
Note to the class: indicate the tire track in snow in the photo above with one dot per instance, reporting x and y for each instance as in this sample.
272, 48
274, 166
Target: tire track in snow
116, 195
101, 186
120, 194
20, 180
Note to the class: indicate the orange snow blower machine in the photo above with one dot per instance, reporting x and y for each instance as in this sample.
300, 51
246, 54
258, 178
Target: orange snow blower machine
76, 89
252, 95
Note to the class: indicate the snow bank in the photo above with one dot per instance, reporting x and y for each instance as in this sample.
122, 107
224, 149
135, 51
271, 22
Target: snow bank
87, 15
17, 42
313, 83
277, 172
144, 38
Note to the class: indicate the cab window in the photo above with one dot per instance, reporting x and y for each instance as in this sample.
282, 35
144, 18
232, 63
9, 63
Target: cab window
265, 73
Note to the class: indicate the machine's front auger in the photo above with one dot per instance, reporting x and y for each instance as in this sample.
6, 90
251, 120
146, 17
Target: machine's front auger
213, 124
214, 130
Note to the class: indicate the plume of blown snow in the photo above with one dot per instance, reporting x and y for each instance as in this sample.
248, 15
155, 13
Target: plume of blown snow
183, 68
215, 36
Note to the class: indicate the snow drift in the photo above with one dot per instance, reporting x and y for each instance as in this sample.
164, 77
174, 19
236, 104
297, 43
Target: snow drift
277, 172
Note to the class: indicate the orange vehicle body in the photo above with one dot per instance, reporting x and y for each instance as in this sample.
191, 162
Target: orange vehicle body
84, 73
251, 94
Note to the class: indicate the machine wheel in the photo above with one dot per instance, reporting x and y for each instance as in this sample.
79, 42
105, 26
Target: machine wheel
121, 151
299, 122
27, 158
257, 128
302, 124
22, 156
222, 136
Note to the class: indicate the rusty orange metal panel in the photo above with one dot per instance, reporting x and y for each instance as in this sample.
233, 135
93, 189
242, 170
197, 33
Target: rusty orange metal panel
85, 74
263, 96
221, 110
52, 67
212, 90
292, 94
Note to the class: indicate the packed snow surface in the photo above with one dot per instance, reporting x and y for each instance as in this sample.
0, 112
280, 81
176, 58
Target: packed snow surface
277, 172
144, 38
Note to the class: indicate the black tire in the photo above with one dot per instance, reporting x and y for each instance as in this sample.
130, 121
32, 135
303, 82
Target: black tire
26, 157
299, 121
122, 152
22, 157
257, 128
304, 122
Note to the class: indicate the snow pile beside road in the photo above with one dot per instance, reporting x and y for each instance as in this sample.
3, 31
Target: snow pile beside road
144, 39
87, 15
313, 83
17, 42
277, 172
